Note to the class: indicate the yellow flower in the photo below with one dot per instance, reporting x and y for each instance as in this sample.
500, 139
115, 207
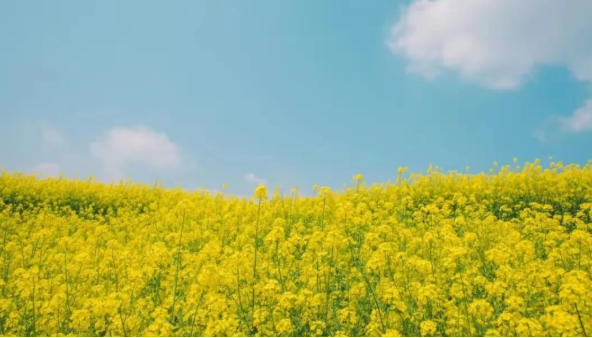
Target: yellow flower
428, 328
260, 192
494, 333
285, 326
481, 308
528, 327
392, 333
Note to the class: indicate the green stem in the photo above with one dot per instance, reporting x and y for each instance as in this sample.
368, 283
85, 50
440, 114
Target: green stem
255, 258
581, 322
34, 312
177, 270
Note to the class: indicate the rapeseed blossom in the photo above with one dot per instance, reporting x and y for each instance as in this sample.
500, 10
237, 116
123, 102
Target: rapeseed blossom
502, 254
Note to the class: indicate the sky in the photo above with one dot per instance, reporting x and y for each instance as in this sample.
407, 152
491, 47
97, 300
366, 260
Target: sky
197, 93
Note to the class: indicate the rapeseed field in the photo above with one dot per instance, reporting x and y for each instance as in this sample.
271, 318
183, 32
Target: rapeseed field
508, 253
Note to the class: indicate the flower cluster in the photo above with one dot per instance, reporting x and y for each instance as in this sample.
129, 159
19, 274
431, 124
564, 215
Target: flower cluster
507, 253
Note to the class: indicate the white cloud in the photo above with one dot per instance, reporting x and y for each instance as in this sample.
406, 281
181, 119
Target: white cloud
51, 138
253, 179
121, 147
581, 120
47, 169
497, 43
117, 152
539, 134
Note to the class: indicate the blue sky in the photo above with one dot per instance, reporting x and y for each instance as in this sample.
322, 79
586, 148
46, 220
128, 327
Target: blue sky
290, 92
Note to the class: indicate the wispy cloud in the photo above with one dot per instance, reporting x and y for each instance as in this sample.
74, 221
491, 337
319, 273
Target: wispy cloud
540, 135
46, 169
52, 137
251, 178
54, 146
581, 120
497, 43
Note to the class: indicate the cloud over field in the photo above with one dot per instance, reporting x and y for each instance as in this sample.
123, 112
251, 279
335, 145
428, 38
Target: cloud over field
253, 179
498, 43
46, 169
52, 137
121, 147
114, 154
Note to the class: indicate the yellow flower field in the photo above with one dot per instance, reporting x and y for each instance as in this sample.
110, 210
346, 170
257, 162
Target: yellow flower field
507, 253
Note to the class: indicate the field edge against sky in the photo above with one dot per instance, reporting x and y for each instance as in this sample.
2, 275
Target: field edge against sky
290, 93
